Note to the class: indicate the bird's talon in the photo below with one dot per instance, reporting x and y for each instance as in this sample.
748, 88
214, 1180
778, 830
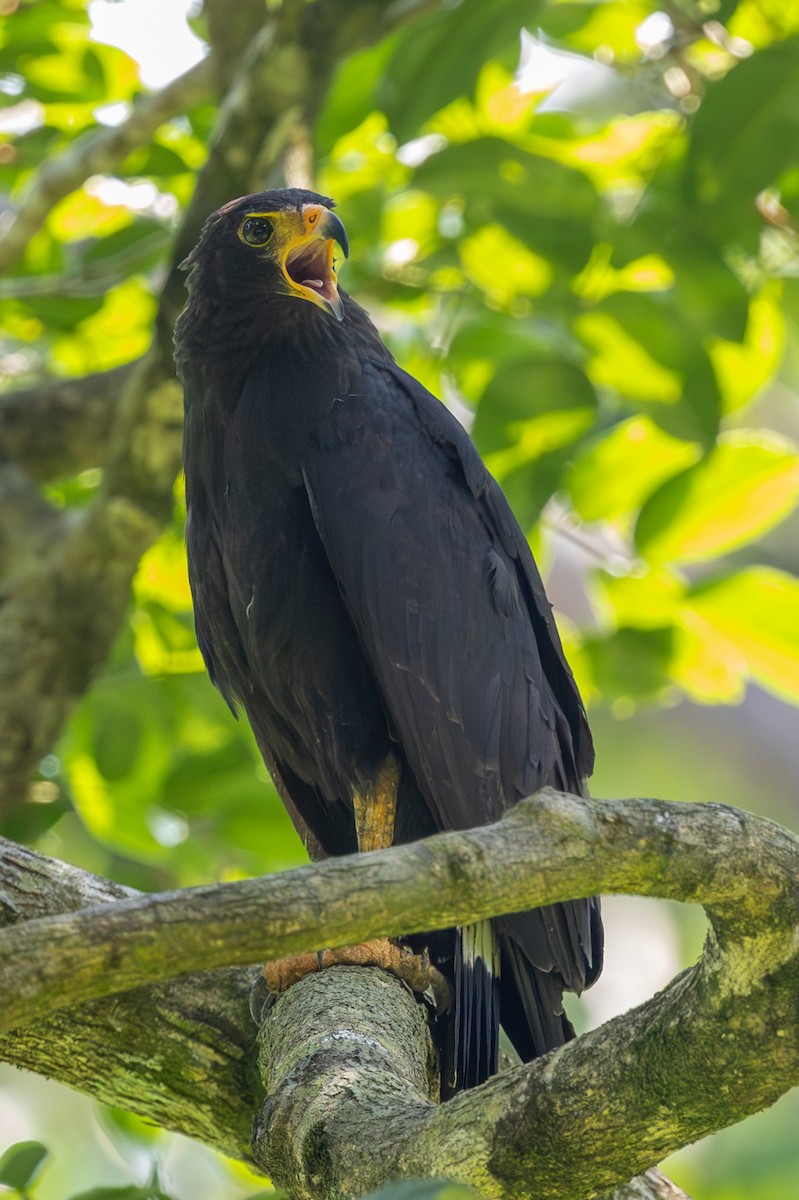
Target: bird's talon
261, 999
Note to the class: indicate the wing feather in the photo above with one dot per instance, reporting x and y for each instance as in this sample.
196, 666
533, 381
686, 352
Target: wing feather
447, 602
452, 616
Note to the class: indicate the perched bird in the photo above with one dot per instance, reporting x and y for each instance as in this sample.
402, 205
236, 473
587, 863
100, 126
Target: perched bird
363, 591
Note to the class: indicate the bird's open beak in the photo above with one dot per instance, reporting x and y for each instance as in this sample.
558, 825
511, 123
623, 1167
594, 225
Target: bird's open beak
308, 262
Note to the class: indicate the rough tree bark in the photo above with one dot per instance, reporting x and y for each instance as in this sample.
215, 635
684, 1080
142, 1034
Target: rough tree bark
720, 1042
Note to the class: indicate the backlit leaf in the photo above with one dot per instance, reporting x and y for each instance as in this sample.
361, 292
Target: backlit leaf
744, 487
755, 614
440, 59
643, 600
619, 362
502, 266
744, 367
613, 475
745, 133
21, 1163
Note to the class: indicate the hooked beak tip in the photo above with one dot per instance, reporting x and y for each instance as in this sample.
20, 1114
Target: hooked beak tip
333, 227
336, 306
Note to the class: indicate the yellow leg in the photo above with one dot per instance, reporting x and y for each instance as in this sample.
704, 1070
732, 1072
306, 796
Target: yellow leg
375, 814
376, 808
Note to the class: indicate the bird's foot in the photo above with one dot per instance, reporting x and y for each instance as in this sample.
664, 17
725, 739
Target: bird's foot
415, 970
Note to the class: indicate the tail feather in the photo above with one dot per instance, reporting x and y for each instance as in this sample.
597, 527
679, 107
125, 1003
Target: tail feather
532, 1005
522, 962
476, 1017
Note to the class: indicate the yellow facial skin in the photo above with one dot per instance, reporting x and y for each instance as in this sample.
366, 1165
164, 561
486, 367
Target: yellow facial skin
302, 244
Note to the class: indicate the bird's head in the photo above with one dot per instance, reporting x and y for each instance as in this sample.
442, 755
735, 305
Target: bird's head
275, 244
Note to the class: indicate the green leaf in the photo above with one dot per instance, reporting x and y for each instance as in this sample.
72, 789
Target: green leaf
711, 298
532, 406
154, 159
546, 205
659, 327
745, 135
629, 664
754, 613
532, 413
21, 1163
641, 600
29, 28
744, 487
612, 475
118, 750
495, 339
63, 312
745, 366
73, 73
436, 61
352, 96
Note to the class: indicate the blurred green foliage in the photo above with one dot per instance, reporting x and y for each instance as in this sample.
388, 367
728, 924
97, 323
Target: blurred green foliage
601, 275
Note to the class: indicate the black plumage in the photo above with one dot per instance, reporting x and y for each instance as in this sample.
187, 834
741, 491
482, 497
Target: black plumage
363, 591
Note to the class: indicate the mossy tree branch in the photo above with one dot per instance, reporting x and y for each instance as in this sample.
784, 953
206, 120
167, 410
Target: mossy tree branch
347, 1060
602, 1109
183, 1054
61, 426
180, 1054
743, 869
720, 1042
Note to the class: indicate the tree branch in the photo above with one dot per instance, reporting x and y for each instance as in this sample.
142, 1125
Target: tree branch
601, 1109
64, 597
199, 1074
606, 1106
61, 426
348, 1062
743, 869
181, 1055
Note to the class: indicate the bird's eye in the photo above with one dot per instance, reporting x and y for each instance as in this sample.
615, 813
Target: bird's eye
256, 231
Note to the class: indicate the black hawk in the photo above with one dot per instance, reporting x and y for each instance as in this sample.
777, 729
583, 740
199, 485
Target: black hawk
363, 591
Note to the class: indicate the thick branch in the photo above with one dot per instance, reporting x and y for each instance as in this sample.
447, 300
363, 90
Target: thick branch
189, 1068
552, 847
61, 426
63, 600
29, 525
720, 1042
348, 1063
181, 1055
